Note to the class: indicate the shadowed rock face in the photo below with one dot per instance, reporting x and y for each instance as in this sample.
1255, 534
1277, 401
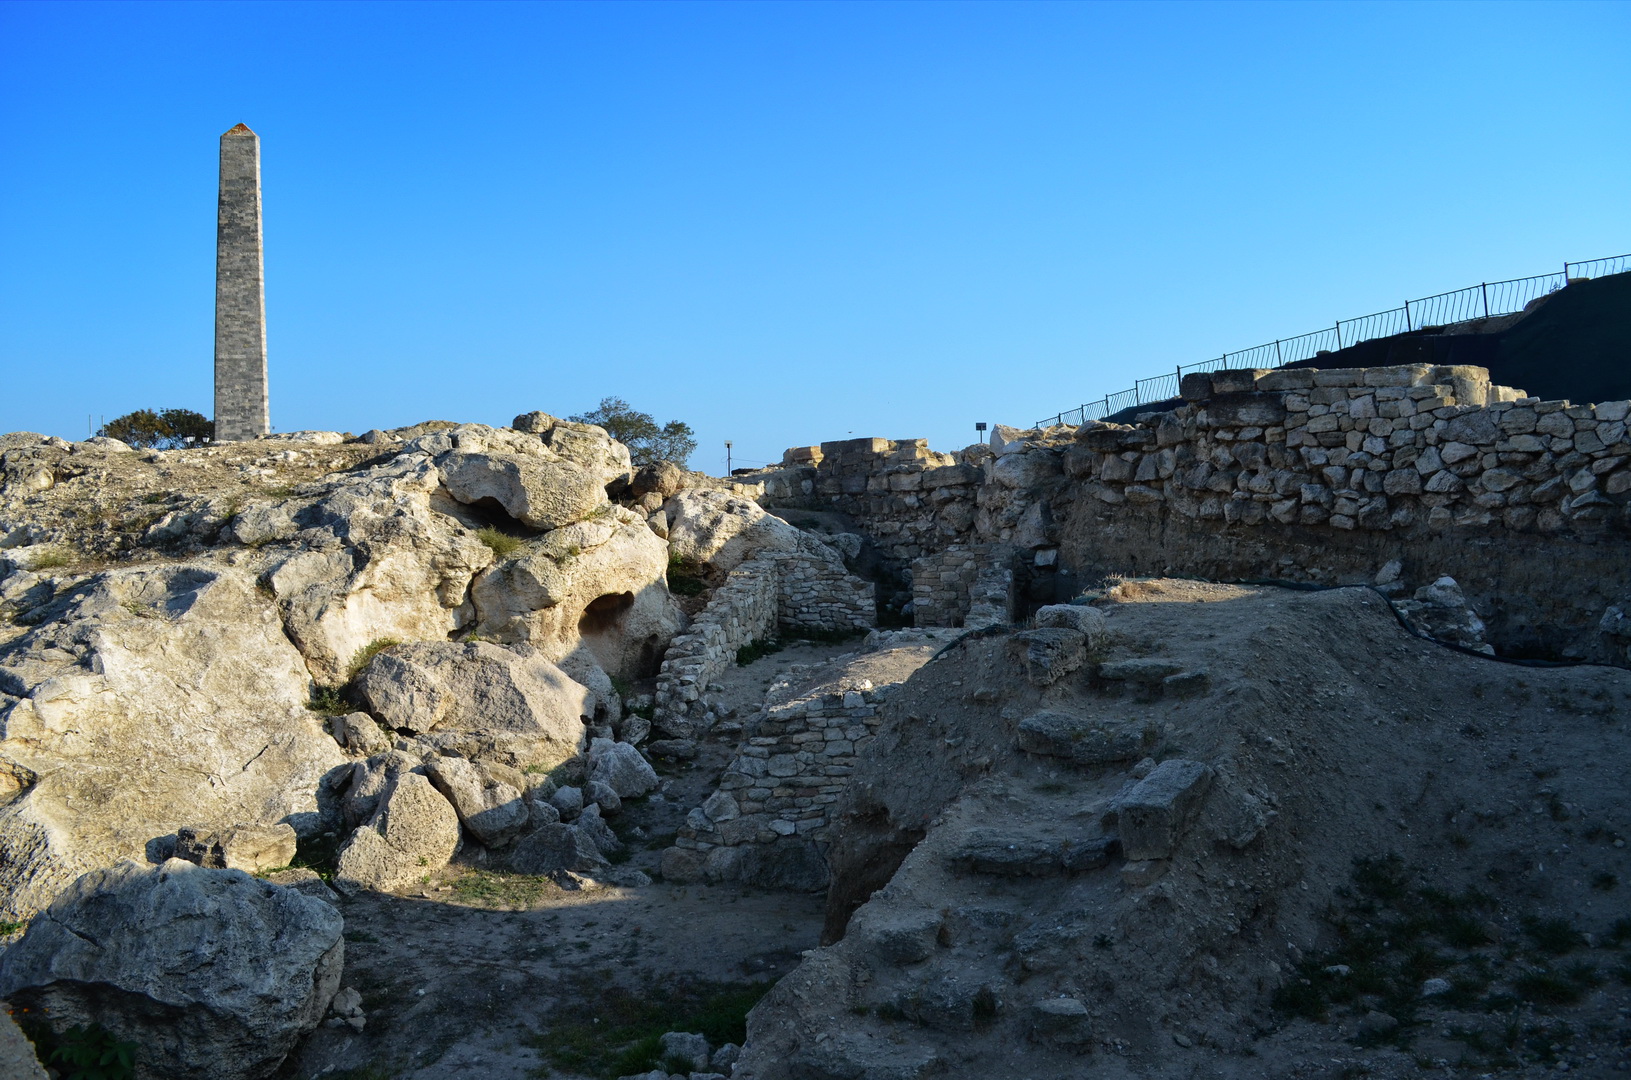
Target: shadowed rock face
209, 973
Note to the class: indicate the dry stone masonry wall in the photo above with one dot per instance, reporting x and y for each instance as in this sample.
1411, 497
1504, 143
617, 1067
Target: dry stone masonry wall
772, 591
1318, 475
777, 794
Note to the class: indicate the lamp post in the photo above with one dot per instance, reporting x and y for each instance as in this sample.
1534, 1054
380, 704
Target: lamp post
727, 457
979, 428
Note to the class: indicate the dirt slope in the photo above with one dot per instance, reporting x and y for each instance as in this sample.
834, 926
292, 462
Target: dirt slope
997, 948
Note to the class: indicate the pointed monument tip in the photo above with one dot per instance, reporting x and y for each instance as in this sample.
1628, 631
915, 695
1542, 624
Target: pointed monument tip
241, 129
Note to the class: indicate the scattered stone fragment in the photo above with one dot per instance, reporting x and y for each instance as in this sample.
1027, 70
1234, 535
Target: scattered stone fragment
989, 853
251, 848
1062, 1021
686, 1046
1052, 653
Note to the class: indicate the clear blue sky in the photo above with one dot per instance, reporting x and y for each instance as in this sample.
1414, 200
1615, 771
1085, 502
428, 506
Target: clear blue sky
782, 223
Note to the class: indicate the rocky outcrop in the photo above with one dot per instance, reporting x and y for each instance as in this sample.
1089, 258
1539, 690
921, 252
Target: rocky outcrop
148, 699
722, 531
479, 701
373, 559
599, 584
209, 974
413, 832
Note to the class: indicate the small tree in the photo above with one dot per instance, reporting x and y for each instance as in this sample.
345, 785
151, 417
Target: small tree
647, 443
164, 430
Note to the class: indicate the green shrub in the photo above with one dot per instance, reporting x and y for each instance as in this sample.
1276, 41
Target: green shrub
502, 543
755, 650
606, 1030
328, 701
367, 653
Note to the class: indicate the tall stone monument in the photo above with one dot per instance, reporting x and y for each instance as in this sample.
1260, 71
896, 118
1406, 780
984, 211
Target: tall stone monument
241, 410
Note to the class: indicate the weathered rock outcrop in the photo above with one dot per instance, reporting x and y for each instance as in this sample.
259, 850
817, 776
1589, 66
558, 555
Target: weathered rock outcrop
373, 559
599, 584
722, 531
210, 974
148, 699
480, 701
413, 832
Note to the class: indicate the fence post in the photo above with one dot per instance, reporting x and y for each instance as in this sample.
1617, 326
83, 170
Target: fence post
1279, 361
1407, 325
1483, 288
1339, 335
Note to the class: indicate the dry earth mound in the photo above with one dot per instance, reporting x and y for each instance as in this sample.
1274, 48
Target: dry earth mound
1224, 832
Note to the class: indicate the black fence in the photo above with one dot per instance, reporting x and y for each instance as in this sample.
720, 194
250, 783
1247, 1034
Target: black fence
1462, 305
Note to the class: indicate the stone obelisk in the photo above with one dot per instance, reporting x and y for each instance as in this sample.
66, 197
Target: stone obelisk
241, 410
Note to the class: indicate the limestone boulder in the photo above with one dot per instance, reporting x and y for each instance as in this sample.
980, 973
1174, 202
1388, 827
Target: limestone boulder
620, 767
146, 700
490, 810
599, 586
540, 494
210, 974
250, 848
414, 832
556, 847
582, 444
722, 531
375, 558
480, 701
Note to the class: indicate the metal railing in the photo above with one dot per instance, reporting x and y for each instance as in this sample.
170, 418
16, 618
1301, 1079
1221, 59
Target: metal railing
1481, 301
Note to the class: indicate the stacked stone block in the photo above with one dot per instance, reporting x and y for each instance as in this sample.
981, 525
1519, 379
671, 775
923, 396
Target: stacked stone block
1367, 448
964, 585
786, 776
773, 591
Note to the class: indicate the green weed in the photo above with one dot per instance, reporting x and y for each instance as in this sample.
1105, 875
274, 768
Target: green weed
11, 926
55, 558
328, 701
685, 577
755, 650
503, 544
86, 1053
367, 653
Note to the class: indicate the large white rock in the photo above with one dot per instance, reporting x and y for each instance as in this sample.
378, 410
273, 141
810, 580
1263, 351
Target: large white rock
491, 811
480, 701
597, 584
210, 974
414, 832
720, 530
538, 493
152, 698
373, 559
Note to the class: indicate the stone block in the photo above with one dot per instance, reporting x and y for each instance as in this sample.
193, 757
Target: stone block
1051, 653
1083, 741
1151, 815
1246, 410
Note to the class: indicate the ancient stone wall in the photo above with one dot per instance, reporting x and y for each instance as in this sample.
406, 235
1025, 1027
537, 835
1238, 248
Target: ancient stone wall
1306, 474
772, 591
964, 585
785, 777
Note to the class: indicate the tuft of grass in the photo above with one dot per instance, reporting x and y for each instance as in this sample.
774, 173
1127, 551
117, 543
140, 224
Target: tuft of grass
490, 889
367, 653
502, 543
9, 927
607, 1030
56, 557
1555, 936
